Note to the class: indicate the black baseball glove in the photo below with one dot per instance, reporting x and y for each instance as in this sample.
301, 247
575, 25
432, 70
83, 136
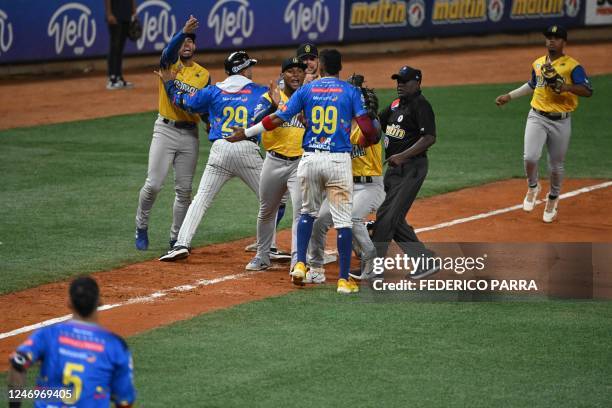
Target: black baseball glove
552, 78
369, 96
135, 30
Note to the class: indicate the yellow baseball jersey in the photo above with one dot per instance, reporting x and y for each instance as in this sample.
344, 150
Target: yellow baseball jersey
188, 79
544, 98
287, 138
367, 161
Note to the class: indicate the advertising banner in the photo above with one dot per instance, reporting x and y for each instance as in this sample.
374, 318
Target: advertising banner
598, 12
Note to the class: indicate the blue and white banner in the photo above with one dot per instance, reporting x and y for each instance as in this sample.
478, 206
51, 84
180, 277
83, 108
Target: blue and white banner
38, 30
43, 30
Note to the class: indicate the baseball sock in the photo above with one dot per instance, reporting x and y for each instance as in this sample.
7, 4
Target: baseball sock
344, 243
304, 231
280, 213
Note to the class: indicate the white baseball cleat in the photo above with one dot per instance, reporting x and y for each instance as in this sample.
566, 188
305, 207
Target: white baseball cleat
175, 253
315, 275
531, 198
550, 211
251, 247
330, 256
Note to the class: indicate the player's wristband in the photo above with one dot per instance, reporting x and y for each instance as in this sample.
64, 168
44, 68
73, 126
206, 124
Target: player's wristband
254, 130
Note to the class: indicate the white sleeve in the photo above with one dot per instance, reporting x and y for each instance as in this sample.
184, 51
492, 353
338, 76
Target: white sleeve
522, 90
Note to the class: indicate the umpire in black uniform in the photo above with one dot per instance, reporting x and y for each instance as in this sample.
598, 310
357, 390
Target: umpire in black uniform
409, 128
119, 14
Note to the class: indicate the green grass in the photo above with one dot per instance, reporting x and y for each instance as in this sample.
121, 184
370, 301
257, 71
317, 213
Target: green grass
313, 348
69, 191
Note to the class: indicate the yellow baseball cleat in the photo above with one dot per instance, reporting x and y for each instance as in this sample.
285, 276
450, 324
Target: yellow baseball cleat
298, 274
347, 286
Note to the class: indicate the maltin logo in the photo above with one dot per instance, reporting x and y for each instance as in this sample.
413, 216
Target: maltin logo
72, 25
157, 22
231, 18
549, 8
416, 13
312, 20
496, 10
6, 33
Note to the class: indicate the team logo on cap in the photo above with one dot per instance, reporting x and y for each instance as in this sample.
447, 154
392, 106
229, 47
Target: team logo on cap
295, 60
307, 48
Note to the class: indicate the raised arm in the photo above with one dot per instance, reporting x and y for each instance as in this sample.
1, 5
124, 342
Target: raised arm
170, 53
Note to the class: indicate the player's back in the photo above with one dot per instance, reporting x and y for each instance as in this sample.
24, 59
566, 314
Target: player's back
230, 108
330, 105
85, 358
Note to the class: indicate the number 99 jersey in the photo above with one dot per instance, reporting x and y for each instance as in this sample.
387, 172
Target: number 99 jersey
84, 358
329, 106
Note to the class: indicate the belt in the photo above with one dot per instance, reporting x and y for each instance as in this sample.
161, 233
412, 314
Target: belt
248, 139
180, 124
280, 156
552, 115
311, 150
362, 179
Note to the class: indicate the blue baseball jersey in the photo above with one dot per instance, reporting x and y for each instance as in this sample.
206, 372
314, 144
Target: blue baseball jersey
225, 109
83, 357
329, 106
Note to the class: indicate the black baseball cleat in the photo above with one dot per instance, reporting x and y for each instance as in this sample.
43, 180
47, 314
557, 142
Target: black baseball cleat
423, 272
176, 253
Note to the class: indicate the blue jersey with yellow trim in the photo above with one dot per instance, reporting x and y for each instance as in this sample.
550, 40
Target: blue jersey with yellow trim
86, 358
329, 106
225, 109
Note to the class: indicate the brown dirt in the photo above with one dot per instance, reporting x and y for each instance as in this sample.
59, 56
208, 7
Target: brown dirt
584, 218
53, 101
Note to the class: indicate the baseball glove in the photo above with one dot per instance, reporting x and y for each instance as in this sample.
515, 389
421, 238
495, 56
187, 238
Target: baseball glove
369, 96
552, 78
135, 30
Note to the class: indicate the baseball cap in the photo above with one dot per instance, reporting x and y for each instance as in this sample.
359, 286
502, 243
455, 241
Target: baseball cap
191, 35
407, 73
292, 62
307, 49
237, 61
556, 31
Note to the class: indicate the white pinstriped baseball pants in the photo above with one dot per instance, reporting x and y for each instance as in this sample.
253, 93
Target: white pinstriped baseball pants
226, 160
330, 174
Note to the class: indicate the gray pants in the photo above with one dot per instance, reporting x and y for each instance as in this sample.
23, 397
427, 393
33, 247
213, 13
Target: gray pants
556, 134
226, 160
176, 147
367, 197
278, 176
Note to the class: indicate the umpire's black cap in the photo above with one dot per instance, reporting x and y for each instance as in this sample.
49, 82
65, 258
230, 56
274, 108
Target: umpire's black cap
556, 31
407, 73
307, 49
292, 62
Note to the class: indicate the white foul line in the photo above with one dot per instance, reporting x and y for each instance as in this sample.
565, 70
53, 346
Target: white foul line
208, 282
140, 299
509, 209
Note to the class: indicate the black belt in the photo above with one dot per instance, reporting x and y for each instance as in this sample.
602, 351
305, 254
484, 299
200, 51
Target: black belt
180, 125
280, 156
551, 115
248, 139
363, 179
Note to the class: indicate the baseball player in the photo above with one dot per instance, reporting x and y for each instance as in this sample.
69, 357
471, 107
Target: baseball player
89, 363
368, 194
229, 103
329, 105
175, 137
556, 82
309, 54
279, 172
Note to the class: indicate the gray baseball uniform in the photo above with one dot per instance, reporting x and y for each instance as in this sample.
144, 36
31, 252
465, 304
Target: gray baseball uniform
175, 142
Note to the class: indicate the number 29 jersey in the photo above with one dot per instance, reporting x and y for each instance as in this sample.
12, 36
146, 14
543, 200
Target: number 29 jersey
90, 361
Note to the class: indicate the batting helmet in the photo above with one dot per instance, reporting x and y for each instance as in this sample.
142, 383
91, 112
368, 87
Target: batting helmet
237, 61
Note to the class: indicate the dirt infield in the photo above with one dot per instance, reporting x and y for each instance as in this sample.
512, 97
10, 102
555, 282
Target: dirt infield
164, 298
151, 294
40, 102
